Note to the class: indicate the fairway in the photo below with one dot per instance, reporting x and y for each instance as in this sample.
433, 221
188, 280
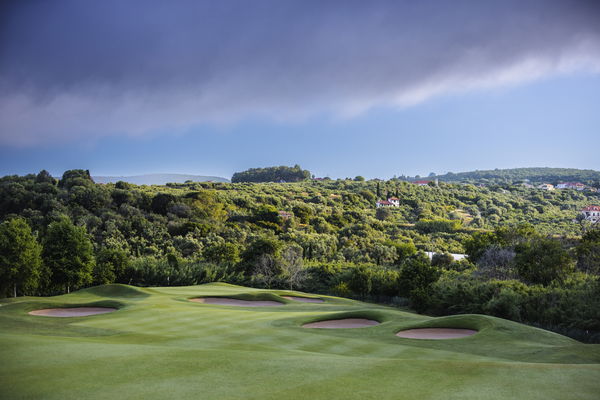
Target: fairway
160, 345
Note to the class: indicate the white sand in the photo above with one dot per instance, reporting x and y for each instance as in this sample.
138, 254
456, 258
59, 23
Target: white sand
72, 312
224, 301
435, 333
342, 323
304, 299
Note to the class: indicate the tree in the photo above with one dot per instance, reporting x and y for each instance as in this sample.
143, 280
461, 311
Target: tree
417, 276
359, 178
161, 202
45, 177
383, 213
382, 254
302, 212
111, 265
442, 260
361, 281
272, 174
542, 260
68, 252
267, 213
291, 265
403, 251
76, 177
262, 245
497, 263
266, 270
222, 253
588, 252
20, 257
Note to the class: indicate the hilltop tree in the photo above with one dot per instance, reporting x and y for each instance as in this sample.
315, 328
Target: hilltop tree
272, 174
44, 177
20, 257
68, 252
76, 177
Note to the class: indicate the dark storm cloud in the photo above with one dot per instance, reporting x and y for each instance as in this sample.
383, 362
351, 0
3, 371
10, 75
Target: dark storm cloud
91, 68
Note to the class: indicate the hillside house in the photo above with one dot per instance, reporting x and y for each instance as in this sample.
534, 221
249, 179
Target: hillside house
571, 185
421, 183
455, 256
285, 215
390, 202
546, 186
395, 201
591, 213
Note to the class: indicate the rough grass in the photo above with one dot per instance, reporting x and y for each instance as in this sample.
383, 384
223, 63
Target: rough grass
160, 345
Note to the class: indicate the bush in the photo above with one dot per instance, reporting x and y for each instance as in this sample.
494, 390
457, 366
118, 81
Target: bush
438, 225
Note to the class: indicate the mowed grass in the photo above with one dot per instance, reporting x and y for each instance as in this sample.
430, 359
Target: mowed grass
159, 345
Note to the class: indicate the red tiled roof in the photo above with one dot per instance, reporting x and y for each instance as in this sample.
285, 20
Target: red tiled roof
591, 208
385, 202
420, 182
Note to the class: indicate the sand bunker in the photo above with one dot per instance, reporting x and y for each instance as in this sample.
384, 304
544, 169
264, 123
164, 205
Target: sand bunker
72, 312
342, 323
304, 299
224, 301
435, 333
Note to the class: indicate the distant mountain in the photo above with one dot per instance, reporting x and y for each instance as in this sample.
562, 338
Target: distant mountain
534, 175
158, 179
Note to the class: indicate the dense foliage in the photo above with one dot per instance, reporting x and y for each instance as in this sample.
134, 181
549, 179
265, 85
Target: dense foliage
319, 236
533, 175
271, 174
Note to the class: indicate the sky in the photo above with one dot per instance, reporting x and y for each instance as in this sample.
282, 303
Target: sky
343, 88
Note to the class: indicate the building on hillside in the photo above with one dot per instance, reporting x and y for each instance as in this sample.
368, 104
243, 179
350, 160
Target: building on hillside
591, 213
285, 215
455, 256
571, 185
421, 183
391, 202
546, 186
395, 201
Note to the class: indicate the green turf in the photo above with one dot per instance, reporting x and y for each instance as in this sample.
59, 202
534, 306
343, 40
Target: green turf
159, 345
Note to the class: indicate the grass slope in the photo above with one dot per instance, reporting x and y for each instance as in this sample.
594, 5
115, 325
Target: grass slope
160, 345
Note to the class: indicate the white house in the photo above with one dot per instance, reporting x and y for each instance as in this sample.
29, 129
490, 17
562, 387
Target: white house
591, 213
395, 201
421, 183
390, 202
456, 256
571, 185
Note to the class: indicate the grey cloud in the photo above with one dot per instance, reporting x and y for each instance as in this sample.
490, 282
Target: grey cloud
73, 69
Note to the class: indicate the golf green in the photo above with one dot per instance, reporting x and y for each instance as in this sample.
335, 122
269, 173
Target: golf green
160, 345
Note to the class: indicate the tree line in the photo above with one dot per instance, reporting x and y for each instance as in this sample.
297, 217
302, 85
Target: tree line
326, 237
